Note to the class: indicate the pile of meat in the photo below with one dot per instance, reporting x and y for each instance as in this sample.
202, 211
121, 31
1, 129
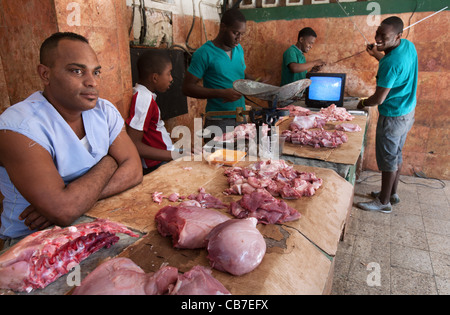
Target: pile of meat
300, 131
121, 276
44, 256
297, 110
202, 199
264, 207
316, 138
334, 113
276, 177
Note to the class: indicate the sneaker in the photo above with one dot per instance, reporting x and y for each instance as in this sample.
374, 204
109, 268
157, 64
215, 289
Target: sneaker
395, 199
375, 205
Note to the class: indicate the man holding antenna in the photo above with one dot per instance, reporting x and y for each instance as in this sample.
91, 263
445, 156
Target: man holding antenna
395, 97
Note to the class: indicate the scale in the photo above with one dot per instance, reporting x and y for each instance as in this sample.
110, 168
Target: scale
277, 97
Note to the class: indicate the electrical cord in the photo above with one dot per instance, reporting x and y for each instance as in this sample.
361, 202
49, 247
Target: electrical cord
418, 175
410, 18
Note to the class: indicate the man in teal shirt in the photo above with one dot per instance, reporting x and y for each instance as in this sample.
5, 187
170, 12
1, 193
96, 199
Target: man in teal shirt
395, 97
219, 63
294, 66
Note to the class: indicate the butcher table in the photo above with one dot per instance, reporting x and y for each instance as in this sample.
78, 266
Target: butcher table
344, 159
300, 254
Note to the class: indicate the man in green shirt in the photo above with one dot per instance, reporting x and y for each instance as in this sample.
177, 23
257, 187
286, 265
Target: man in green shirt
294, 66
395, 97
219, 63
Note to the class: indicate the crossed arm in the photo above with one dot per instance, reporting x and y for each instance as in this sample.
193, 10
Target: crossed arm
33, 172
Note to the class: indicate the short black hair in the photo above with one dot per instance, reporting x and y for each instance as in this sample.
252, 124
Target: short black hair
396, 22
152, 61
232, 16
53, 41
306, 32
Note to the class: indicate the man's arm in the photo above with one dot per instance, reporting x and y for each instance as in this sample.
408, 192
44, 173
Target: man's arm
377, 99
302, 67
33, 172
192, 88
129, 172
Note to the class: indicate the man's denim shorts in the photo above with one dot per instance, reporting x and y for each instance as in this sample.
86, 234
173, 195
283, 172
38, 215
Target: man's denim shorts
390, 139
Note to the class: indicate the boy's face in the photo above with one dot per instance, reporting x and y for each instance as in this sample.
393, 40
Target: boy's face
164, 80
307, 43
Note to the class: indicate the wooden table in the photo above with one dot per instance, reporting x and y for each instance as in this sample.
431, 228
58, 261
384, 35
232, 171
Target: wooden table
300, 254
342, 159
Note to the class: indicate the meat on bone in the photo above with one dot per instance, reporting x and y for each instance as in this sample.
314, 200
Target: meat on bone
236, 246
278, 178
44, 256
188, 225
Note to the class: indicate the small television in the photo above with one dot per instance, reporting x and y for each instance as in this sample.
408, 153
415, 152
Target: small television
325, 89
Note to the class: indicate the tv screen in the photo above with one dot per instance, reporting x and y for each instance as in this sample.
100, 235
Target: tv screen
325, 89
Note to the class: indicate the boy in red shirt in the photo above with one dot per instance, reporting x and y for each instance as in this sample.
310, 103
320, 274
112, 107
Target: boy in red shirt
145, 126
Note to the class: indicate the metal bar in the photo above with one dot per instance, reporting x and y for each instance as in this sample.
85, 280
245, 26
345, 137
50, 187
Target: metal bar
426, 18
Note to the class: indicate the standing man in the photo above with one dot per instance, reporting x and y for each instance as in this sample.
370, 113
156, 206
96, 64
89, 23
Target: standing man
395, 97
62, 149
294, 66
219, 63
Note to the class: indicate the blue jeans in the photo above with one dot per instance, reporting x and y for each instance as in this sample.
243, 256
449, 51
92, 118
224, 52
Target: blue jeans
390, 139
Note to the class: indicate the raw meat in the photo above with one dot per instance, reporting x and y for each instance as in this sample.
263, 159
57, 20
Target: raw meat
308, 122
297, 110
245, 131
44, 256
121, 276
333, 113
157, 197
264, 207
316, 138
236, 246
349, 127
198, 281
207, 200
188, 225
278, 178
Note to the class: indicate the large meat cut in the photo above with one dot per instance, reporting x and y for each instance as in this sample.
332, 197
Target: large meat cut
278, 178
44, 256
236, 246
121, 276
264, 207
188, 225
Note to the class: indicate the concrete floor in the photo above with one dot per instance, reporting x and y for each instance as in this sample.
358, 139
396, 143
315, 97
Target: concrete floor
405, 252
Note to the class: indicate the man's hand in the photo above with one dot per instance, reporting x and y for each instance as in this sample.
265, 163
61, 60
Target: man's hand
34, 220
373, 51
230, 95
